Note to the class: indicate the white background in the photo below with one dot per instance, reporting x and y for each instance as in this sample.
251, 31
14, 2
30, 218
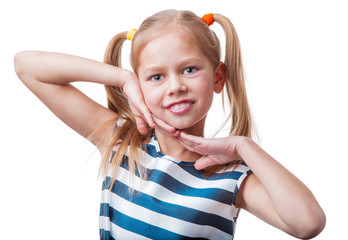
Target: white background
295, 55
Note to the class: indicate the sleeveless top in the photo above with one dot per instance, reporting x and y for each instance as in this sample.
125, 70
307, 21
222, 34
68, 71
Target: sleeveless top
175, 201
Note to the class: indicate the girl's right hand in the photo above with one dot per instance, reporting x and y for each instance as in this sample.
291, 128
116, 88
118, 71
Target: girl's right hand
141, 112
137, 104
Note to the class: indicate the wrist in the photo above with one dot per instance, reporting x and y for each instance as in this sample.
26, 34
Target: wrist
242, 145
126, 77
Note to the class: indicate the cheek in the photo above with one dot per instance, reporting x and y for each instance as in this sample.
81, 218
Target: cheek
207, 102
205, 88
206, 95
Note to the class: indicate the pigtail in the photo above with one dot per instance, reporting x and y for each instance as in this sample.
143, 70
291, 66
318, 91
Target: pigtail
235, 86
127, 133
239, 113
116, 98
113, 51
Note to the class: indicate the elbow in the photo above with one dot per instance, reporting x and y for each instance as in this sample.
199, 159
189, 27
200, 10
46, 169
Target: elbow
313, 226
23, 62
19, 63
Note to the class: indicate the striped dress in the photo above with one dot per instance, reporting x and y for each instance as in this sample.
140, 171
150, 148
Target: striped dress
175, 201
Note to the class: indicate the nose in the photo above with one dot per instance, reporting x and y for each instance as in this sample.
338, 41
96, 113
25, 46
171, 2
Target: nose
176, 86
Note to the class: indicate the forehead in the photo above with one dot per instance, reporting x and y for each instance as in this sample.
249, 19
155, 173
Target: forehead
167, 49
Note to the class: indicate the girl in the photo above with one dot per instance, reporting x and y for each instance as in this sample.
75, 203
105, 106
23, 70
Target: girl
163, 179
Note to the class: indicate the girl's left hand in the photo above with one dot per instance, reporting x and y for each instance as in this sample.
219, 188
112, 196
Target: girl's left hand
215, 150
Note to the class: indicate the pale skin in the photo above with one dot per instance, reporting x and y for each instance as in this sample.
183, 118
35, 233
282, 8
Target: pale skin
271, 192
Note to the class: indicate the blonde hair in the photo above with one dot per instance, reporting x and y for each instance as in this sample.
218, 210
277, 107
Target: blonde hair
191, 28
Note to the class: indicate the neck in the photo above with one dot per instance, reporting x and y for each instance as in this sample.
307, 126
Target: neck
170, 146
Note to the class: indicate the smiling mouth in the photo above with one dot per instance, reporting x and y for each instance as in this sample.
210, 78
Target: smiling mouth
180, 107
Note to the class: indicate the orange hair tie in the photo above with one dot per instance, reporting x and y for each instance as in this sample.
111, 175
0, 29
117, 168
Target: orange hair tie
208, 18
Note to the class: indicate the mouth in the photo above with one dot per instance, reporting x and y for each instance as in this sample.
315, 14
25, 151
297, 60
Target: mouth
180, 106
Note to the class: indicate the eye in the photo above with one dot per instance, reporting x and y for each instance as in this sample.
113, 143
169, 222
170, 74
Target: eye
189, 70
156, 78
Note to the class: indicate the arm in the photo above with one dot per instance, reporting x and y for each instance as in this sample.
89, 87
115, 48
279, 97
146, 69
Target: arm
49, 77
275, 195
271, 193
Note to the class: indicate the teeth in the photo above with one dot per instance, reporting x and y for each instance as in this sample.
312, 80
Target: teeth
180, 106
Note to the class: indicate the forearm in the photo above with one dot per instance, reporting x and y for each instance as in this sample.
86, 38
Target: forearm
58, 68
293, 202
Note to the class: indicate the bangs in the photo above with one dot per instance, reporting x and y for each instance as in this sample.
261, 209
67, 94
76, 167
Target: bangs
186, 25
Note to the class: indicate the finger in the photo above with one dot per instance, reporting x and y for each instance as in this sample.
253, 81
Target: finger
199, 143
166, 128
170, 134
148, 116
185, 142
141, 125
163, 125
192, 147
204, 163
186, 145
191, 138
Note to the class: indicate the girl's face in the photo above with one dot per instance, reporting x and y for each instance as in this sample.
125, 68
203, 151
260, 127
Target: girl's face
178, 82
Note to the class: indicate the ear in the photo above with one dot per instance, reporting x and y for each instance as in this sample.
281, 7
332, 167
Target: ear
220, 78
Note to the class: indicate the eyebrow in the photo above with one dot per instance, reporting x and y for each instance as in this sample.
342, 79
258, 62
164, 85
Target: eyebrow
151, 70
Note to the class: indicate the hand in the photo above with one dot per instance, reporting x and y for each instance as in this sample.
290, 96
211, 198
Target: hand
137, 104
166, 128
215, 150
141, 112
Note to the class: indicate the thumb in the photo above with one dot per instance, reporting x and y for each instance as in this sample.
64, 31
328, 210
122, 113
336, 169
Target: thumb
204, 162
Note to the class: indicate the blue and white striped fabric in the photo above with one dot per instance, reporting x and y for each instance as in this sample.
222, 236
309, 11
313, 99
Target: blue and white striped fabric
174, 202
